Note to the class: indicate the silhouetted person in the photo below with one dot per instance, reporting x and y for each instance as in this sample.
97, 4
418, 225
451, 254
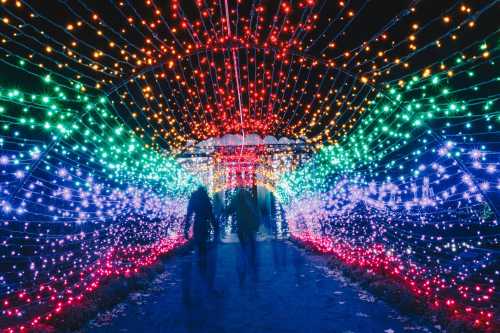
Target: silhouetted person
200, 207
247, 215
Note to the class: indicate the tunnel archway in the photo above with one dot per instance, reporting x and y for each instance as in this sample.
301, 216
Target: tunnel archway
367, 133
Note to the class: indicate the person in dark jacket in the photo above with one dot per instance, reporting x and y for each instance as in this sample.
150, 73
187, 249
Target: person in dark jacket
244, 209
200, 206
200, 211
247, 215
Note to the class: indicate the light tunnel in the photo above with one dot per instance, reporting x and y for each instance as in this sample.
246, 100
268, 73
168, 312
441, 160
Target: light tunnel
368, 131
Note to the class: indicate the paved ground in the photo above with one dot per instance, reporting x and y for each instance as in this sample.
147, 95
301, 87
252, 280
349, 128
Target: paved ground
284, 290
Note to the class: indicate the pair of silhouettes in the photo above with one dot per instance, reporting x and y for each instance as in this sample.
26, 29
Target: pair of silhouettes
242, 206
200, 210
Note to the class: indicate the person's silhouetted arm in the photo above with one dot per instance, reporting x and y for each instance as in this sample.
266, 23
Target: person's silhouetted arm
189, 214
214, 223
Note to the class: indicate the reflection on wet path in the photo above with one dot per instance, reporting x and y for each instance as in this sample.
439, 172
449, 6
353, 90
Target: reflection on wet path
284, 289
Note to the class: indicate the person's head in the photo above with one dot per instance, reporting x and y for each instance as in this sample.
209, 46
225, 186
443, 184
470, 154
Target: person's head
201, 190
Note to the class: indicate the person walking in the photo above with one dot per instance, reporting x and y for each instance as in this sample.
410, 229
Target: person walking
200, 206
247, 215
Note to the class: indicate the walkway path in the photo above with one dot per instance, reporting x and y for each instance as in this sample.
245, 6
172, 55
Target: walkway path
288, 290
